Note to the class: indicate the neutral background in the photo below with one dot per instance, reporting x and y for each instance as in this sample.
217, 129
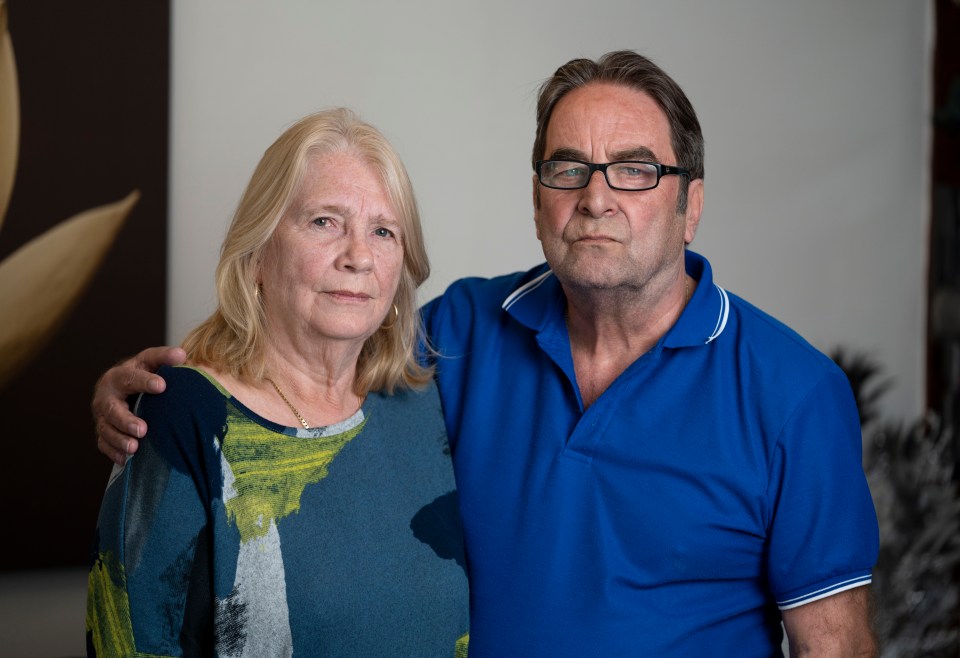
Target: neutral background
815, 115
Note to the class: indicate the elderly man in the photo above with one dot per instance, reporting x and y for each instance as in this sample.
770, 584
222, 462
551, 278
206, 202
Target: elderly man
647, 464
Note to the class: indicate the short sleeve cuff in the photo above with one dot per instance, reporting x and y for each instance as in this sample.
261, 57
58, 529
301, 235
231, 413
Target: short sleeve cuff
826, 588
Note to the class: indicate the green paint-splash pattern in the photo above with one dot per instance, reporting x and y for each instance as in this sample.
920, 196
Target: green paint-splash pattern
462, 648
272, 470
108, 610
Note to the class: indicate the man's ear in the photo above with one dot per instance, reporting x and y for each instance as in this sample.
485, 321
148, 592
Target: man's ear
694, 208
536, 204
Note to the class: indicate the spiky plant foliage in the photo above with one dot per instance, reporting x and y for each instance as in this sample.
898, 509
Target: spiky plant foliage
911, 470
868, 386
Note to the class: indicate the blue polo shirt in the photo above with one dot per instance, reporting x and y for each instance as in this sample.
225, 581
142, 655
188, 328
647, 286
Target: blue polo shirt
715, 482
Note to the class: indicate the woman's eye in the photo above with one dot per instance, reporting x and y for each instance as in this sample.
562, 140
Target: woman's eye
322, 221
383, 232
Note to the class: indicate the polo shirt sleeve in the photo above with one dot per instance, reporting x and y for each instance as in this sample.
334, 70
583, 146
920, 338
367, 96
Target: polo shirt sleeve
823, 531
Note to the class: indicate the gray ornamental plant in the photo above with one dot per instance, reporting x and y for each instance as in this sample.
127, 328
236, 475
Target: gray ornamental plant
911, 468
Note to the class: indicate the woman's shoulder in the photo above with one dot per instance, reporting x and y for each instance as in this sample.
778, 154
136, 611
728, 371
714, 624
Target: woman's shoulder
416, 411
208, 392
192, 378
187, 387
409, 400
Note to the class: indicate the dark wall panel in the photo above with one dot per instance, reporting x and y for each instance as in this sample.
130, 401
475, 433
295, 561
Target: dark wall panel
94, 97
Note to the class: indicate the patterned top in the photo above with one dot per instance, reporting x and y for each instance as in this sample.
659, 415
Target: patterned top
230, 535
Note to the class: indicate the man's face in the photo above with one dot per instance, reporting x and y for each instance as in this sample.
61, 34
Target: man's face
599, 238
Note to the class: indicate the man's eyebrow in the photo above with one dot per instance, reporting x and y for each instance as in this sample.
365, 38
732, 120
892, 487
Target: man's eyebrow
568, 154
639, 153
636, 153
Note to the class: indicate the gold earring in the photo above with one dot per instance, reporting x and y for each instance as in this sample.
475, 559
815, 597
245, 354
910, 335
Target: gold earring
396, 316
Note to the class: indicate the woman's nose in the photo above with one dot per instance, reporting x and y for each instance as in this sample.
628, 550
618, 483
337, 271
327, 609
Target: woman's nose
356, 253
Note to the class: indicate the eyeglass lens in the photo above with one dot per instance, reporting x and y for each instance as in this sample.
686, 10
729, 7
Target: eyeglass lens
625, 175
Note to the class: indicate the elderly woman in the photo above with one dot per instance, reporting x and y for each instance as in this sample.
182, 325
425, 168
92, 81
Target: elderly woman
300, 496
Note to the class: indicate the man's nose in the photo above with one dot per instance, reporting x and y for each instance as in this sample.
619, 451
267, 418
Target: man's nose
597, 199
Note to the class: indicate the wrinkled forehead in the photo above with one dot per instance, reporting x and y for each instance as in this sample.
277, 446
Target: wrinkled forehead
329, 161
601, 122
342, 177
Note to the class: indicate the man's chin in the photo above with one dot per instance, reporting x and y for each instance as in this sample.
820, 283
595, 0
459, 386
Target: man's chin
590, 279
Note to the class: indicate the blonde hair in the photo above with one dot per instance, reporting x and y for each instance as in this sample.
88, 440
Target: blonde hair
233, 337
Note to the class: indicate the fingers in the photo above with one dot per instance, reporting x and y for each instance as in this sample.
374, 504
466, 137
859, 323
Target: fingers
154, 357
116, 456
117, 427
125, 380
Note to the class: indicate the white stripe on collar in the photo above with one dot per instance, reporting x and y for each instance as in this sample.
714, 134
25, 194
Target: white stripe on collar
532, 285
528, 287
724, 314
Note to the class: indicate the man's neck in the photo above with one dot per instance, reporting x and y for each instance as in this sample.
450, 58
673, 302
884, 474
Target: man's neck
610, 329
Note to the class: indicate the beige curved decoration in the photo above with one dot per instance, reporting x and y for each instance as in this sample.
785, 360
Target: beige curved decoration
9, 114
41, 282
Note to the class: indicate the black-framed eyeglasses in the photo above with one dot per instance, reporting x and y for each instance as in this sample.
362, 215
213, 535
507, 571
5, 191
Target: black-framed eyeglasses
627, 175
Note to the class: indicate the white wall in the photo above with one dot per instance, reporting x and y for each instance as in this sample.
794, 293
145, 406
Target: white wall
814, 112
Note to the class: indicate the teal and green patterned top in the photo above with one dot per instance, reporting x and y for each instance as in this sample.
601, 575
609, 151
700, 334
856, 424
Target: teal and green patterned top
230, 535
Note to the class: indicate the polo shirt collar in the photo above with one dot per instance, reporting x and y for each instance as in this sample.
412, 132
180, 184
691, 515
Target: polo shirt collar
706, 314
540, 305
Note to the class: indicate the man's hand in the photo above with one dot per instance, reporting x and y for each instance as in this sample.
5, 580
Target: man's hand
117, 428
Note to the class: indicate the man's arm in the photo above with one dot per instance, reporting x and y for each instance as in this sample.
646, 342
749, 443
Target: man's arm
117, 428
838, 625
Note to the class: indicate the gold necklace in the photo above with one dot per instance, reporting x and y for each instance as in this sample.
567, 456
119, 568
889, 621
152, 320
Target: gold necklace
289, 404
294, 409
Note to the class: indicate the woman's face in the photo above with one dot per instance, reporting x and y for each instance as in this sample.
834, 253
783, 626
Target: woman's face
332, 267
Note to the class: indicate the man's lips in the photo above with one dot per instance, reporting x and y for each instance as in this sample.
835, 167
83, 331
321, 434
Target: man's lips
595, 238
